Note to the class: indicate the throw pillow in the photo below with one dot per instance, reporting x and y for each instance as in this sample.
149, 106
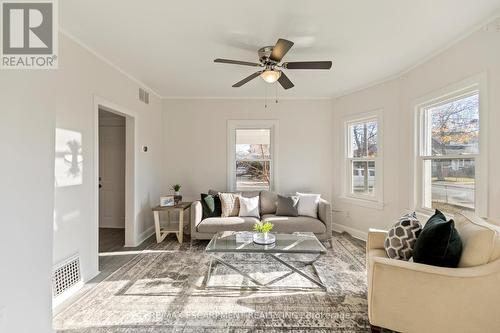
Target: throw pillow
249, 207
230, 204
439, 243
287, 206
308, 204
268, 202
402, 236
211, 205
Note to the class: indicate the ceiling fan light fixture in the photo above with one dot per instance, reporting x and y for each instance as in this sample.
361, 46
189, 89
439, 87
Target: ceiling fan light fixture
270, 76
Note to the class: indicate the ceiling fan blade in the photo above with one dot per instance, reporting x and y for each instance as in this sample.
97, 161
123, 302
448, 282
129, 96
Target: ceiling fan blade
285, 81
245, 80
308, 65
280, 49
237, 62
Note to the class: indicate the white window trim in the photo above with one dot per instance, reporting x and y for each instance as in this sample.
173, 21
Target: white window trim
232, 126
369, 201
476, 82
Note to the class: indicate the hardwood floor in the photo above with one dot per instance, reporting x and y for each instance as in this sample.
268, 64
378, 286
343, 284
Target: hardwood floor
111, 239
113, 254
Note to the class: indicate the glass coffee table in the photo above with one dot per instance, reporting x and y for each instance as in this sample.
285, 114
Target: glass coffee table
299, 244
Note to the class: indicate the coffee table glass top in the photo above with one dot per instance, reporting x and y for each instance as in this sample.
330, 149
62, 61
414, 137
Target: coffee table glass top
298, 242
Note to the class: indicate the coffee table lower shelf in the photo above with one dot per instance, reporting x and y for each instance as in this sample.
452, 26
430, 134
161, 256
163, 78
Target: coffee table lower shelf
215, 259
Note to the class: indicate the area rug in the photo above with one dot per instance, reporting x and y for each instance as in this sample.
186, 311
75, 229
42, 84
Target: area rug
163, 289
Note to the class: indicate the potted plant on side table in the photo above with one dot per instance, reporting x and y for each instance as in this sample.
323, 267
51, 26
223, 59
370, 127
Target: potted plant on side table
177, 194
262, 235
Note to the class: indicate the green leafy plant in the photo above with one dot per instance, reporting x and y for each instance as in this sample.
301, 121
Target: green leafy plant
176, 187
263, 227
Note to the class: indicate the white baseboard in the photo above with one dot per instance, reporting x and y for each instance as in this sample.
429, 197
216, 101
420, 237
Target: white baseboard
145, 235
363, 235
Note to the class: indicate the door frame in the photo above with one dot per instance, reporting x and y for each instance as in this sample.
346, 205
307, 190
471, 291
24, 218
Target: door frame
130, 139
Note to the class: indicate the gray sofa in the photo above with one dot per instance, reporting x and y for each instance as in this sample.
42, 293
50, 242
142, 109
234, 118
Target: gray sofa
206, 228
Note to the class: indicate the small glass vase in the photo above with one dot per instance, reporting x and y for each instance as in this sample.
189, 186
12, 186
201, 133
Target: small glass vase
264, 238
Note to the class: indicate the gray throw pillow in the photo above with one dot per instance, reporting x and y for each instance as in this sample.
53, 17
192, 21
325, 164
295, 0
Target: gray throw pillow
287, 206
401, 238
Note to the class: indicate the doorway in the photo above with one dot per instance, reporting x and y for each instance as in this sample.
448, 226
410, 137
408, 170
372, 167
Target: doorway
112, 172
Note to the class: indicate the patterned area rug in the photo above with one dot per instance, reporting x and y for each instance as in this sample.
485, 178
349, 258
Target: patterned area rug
163, 290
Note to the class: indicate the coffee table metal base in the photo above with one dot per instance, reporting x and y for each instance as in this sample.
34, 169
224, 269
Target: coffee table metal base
269, 285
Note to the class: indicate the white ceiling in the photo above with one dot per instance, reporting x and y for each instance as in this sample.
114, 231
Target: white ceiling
170, 45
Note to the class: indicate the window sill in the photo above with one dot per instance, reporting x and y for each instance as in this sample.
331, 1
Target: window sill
363, 202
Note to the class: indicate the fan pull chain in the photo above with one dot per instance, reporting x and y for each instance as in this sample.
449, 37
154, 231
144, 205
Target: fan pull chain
265, 100
276, 85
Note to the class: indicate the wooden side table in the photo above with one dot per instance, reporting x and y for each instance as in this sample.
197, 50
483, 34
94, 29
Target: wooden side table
170, 227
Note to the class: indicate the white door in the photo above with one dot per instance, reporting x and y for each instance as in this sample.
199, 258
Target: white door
111, 171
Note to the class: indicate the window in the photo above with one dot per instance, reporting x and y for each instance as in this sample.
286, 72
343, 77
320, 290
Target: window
363, 161
449, 152
251, 148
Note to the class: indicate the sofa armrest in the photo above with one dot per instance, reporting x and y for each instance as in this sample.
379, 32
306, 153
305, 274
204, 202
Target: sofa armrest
376, 239
325, 215
196, 216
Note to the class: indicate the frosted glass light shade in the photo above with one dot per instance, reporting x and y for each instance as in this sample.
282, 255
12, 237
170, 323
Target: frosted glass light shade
270, 76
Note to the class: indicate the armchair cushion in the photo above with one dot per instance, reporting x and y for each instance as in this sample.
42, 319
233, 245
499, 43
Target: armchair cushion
402, 236
439, 243
481, 240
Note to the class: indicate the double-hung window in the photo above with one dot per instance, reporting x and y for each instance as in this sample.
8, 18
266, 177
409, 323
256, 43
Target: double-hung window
363, 158
251, 147
449, 159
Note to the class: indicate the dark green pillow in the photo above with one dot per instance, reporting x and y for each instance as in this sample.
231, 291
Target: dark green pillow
439, 243
211, 205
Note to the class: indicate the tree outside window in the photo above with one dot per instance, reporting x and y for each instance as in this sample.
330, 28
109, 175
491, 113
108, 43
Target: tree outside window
449, 149
253, 159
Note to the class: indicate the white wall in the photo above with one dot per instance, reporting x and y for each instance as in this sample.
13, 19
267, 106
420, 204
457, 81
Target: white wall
479, 52
81, 76
195, 134
26, 200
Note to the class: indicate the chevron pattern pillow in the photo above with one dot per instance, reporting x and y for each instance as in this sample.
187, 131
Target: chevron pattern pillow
402, 237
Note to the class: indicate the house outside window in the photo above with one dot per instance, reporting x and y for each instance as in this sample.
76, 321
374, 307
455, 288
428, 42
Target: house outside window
363, 162
450, 161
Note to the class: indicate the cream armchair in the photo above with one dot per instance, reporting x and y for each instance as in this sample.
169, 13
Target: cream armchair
409, 297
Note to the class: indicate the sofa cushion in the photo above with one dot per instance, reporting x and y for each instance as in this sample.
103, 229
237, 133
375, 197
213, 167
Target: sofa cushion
481, 240
230, 204
246, 194
249, 206
268, 202
439, 243
235, 223
289, 224
287, 206
308, 204
211, 206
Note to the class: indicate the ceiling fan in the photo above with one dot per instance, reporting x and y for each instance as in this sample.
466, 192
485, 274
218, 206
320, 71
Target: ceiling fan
272, 70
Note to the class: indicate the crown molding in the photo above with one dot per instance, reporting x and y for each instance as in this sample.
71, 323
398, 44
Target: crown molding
467, 33
108, 62
244, 98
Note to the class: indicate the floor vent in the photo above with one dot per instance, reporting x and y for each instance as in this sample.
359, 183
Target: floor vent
143, 96
66, 275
